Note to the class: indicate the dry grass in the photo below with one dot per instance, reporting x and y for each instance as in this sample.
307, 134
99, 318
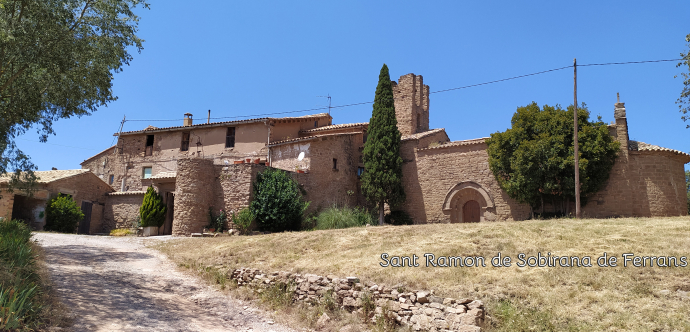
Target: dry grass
529, 298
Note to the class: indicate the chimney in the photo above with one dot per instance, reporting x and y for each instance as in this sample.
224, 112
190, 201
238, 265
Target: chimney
187, 120
621, 123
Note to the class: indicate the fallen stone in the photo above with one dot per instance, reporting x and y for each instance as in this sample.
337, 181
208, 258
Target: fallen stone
322, 320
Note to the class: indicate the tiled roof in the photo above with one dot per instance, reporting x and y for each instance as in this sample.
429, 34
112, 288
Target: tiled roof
122, 193
98, 154
50, 176
308, 138
164, 175
457, 143
334, 127
151, 129
422, 135
642, 146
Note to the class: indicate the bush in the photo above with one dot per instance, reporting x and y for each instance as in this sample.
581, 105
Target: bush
20, 293
345, 217
277, 204
63, 215
398, 218
152, 210
243, 220
217, 222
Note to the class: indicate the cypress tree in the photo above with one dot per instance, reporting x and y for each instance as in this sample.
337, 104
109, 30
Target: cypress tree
382, 179
152, 210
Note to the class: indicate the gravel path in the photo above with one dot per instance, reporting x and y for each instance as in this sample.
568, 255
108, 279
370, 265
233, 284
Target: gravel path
117, 284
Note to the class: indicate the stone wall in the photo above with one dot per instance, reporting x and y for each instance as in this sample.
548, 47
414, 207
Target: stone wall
440, 169
103, 165
660, 189
411, 104
195, 193
121, 210
6, 202
419, 310
234, 190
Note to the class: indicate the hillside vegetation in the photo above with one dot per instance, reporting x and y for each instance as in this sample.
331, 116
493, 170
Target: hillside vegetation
517, 298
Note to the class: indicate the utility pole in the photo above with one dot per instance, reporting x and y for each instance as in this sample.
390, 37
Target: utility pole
121, 147
578, 213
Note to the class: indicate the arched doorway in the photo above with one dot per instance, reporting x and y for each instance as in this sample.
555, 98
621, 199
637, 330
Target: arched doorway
470, 211
468, 202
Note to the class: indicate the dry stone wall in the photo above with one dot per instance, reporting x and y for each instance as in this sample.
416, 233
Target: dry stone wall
194, 194
419, 310
121, 210
6, 202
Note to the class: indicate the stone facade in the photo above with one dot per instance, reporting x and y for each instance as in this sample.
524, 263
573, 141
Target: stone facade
84, 187
445, 181
418, 310
121, 210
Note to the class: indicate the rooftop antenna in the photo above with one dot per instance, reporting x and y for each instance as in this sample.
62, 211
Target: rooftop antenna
329, 102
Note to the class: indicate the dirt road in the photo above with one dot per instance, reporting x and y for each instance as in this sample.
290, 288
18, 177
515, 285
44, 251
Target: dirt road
117, 284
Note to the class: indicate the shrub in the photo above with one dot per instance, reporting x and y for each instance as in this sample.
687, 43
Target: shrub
345, 217
243, 220
399, 217
20, 303
63, 215
121, 232
152, 210
217, 222
277, 204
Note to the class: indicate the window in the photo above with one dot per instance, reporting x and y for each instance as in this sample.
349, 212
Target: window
316, 123
185, 142
149, 145
335, 164
360, 171
364, 137
230, 138
111, 179
146, 174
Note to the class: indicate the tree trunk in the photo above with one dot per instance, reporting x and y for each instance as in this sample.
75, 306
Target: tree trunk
381, 214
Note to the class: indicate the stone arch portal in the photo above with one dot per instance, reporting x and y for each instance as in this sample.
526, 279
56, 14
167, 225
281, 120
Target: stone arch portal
467, 196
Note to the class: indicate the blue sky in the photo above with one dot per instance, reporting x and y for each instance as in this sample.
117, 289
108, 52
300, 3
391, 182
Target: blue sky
255, 57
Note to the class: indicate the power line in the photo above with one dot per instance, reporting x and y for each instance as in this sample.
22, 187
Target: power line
67, 146
438, 91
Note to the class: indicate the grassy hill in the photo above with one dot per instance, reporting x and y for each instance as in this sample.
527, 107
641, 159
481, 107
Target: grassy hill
517, 298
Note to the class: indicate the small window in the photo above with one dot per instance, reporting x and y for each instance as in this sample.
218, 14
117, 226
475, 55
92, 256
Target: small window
146, 173
111, 179
230, 138
364, 137
149, 145
335, 164
185, 142
316, 123
360, 171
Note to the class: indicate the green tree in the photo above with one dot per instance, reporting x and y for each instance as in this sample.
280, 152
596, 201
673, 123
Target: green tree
57, 60
382, 179
684, 99
63, 215
533, 160
152, 210
277, 204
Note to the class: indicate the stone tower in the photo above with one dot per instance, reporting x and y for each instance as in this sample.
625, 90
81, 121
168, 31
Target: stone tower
411, 104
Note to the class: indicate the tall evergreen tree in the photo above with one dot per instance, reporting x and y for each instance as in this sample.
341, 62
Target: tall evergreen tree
382, 179
152, 210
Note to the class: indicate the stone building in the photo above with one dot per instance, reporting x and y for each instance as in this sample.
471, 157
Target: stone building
86, 189
197, 167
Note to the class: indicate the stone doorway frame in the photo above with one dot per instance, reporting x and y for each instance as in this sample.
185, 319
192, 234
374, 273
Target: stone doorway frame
460, 194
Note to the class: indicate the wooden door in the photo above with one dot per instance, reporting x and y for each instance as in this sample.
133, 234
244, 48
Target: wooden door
470, 212
169, 213
85, 224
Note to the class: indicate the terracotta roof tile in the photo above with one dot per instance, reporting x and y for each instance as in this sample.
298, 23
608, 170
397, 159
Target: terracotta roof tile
422, 135
122, 193
50, 176
642, 146
150, 129
334, 127
457, 143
